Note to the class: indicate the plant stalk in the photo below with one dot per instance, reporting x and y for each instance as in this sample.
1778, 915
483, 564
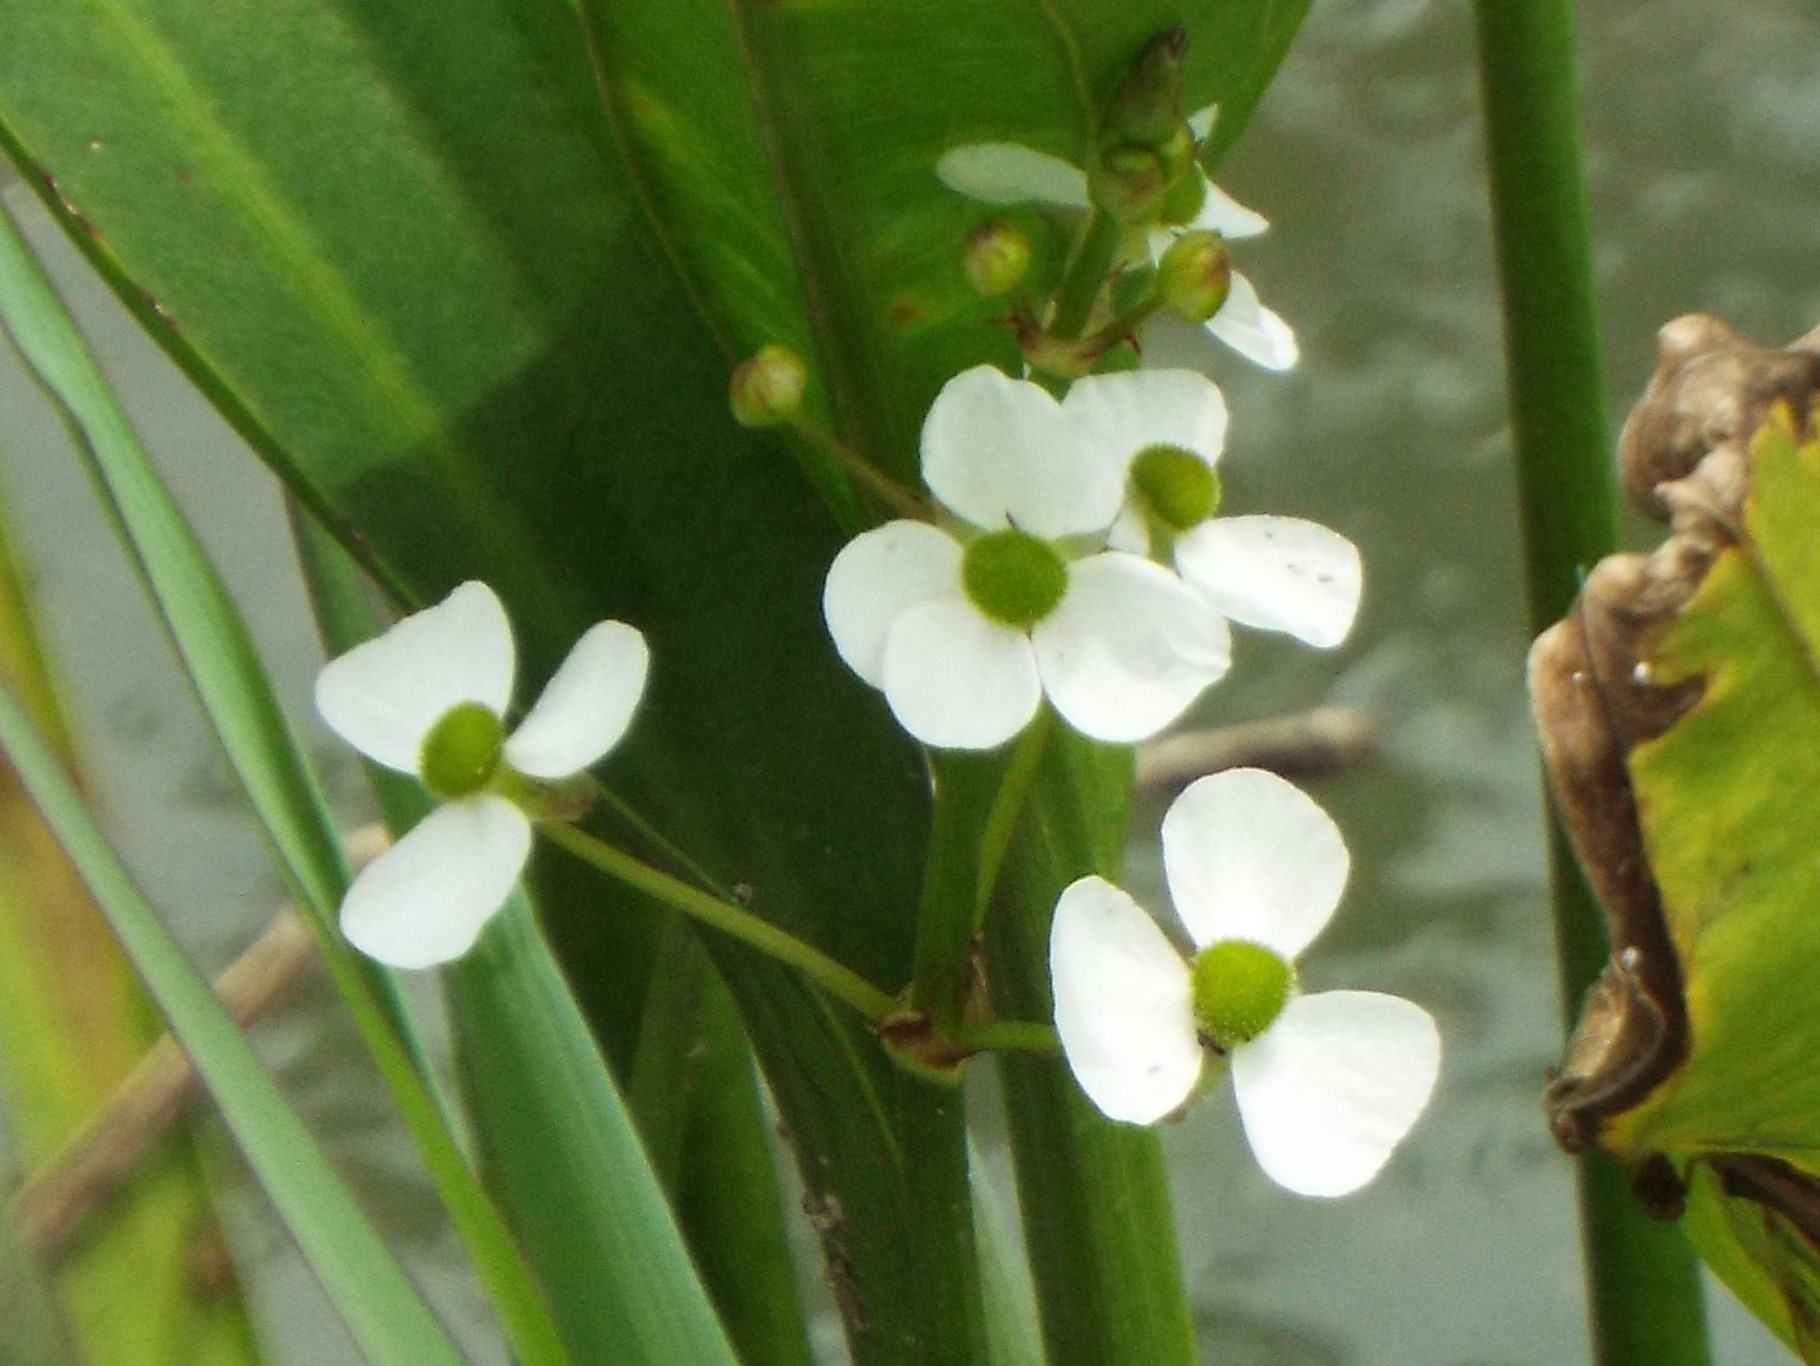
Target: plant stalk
1643, 1279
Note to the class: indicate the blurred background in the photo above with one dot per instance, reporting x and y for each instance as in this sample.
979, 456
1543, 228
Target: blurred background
1703, 143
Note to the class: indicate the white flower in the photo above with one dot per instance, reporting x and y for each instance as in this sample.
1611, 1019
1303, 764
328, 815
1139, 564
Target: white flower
1010, 173
1327, 1084
431, 692
1118, 644
1274, 573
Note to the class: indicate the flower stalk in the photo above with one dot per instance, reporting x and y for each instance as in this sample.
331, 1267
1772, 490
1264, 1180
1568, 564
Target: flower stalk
729, 917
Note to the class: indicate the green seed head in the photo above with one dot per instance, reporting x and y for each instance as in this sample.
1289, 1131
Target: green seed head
1013, 577
1178, 487
461, 751
1239, 990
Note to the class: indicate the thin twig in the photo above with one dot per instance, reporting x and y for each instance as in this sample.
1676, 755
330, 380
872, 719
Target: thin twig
1308, 744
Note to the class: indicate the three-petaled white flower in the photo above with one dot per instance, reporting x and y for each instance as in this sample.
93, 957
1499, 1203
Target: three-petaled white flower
966, 627
1327, 1084
1274, 573
429, 698
1011, 173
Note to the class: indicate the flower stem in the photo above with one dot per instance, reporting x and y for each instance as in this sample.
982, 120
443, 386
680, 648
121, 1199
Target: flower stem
1645, 1287
895, 495
1086, 273
1009, 1036
729, 918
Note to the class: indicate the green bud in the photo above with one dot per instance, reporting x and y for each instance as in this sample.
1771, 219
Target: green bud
1013, 577
767, 388
996, 257
1182, 204
1195, 275
1178, 487
461, 751
1239, 990
1147, 109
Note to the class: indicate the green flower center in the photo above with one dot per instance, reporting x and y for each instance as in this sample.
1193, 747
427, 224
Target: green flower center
461, 751
1177, 486
1013, 577
1239, 990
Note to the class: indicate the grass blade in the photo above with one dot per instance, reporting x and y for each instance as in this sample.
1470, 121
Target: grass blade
218, 657
362, 1280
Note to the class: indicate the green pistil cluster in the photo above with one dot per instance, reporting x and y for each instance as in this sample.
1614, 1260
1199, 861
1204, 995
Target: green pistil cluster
1176, 486
1013, 577
1239, 990
461, 752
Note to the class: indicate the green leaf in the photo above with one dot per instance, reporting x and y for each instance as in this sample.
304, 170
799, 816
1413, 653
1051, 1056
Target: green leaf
561, 1144
218, 657
366, 1286
73, 1022
1691, 766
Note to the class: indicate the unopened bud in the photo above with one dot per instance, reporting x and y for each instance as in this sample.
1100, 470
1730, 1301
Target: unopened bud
1195, 275
1147, 110
996, 257
1144, 148
767, 388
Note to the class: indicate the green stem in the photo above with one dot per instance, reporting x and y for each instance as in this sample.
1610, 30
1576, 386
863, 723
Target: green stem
894, 494
977, 801
1086, 273
1009, 1036
1646, 1301
1007, 806
729, 918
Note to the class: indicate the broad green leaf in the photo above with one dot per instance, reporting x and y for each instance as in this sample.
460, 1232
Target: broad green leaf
557, 1133
364, 1283
217, 654
72, 1024
1694, 1057
403, 252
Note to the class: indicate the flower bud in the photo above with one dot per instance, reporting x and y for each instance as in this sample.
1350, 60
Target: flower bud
1147, 110
1144, 149
996, 257
1195, 275
767, 388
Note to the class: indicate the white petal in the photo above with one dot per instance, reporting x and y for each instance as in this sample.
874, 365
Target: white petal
1223, 214
1128, 649
956, 680
1277, 573
1128, 411
1010, 173
998, 450
1252, 330
1129, 532
382, 697
1329, 1090
1201, 121
585, 706
425, 899
875, 577
1122, 1004
1250, 856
